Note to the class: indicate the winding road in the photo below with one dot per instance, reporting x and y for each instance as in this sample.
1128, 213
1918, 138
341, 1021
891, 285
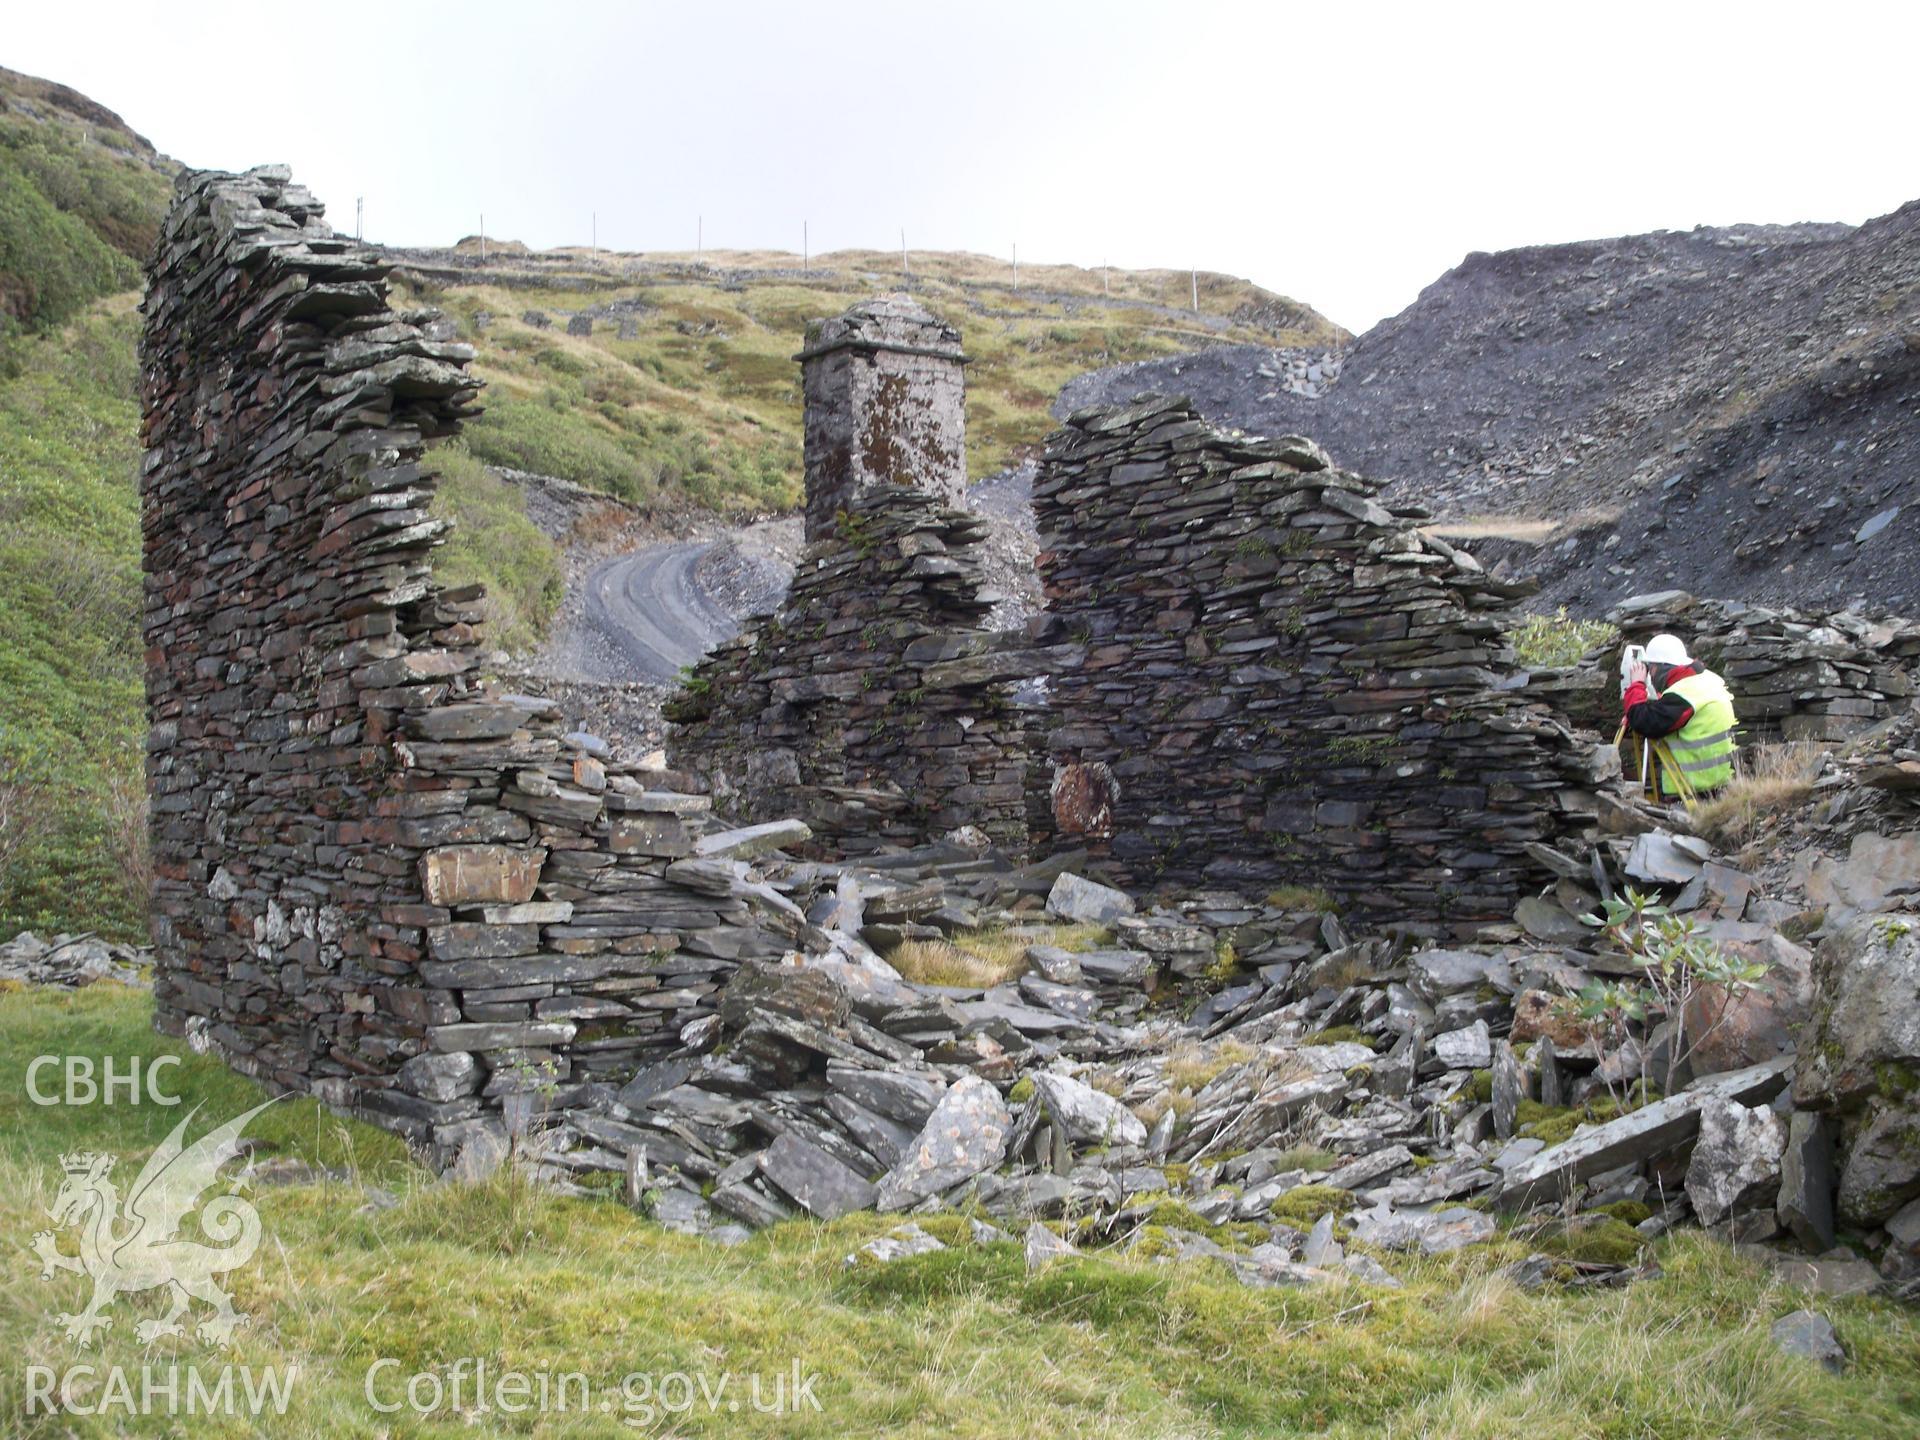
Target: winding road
651, 615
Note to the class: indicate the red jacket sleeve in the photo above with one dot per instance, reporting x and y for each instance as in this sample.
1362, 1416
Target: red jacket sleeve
1654, 718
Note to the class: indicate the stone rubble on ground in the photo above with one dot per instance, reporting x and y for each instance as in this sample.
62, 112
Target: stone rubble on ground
1333, 1091
73, 961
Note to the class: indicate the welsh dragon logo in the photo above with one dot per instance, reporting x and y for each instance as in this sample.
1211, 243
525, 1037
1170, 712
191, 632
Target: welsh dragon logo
136, 1247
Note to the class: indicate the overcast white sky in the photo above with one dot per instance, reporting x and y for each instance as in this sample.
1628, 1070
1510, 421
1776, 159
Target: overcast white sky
1344, 154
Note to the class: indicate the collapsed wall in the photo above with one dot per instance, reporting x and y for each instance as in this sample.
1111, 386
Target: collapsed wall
871, 705
375, 879
1271, 679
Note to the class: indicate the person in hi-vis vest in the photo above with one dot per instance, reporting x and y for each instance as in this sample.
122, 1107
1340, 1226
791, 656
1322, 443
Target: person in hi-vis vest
1670, 697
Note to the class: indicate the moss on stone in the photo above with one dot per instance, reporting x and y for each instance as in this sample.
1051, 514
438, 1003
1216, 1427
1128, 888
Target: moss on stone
1627, 1212
1167, 1213
1555, 1124
1304, 1204
1340, 1035
1598, 1238
1894, 1078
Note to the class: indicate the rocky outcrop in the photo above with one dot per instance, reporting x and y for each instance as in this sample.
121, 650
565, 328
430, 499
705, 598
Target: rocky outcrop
1860, 1062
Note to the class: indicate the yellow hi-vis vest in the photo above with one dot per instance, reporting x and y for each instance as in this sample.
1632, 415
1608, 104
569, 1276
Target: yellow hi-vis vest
1703, 748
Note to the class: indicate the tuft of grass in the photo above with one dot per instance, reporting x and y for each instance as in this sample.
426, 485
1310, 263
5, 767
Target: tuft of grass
1302, 897
941, 962
980, 959
1543, 642
1771, 779
1191, 1065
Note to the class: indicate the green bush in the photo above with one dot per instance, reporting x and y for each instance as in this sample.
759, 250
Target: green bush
1542, 642
74, 220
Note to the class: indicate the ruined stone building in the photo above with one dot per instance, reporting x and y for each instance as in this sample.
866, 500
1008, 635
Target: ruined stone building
1258, 674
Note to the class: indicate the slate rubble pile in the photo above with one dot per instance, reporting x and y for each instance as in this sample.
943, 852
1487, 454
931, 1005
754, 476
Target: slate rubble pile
72, 961
1327, 1092
1888, 759
1265, 676
872, 705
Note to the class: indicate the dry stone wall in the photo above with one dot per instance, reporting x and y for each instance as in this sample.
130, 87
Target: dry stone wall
376, 879
1269, 678
872, 705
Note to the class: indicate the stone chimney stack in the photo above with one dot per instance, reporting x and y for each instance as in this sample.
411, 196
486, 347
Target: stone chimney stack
885, 405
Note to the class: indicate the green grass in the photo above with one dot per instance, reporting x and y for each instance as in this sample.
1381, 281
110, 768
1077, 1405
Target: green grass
495, 544
959, 1342
70, 658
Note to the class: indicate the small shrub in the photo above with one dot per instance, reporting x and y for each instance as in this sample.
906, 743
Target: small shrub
1542, 642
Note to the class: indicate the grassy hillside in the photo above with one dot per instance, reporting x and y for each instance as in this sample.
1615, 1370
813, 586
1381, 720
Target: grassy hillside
960, 1342
81, 198
71, 796
701, 404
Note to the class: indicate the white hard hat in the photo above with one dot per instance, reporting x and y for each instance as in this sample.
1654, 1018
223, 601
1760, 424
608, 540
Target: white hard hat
1667, 650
